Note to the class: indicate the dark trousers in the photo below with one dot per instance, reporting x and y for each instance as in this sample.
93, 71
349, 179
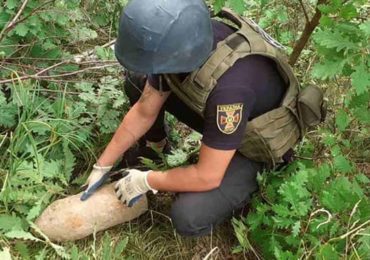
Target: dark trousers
197, 213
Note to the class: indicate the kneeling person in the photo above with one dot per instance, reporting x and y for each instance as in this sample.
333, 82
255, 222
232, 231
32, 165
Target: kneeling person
211, 77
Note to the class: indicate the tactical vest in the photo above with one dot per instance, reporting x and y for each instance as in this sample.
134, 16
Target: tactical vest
269, 136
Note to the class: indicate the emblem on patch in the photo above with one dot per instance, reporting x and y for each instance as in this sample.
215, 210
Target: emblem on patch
229, 117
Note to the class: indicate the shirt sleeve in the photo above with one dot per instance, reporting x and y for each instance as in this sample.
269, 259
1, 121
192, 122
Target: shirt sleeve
227, 111
154, 81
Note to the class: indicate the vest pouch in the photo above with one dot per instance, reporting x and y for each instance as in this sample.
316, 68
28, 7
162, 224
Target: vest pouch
269, 136
311, 106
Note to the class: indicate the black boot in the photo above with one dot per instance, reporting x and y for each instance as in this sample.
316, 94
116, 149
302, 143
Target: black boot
133, 157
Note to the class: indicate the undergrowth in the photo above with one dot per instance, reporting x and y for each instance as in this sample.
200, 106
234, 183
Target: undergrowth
58, 109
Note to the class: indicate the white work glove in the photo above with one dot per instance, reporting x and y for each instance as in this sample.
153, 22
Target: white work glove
96, 174
129, 189
96, 179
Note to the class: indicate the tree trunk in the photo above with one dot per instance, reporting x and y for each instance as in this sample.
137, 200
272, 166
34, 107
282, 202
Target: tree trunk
306, 34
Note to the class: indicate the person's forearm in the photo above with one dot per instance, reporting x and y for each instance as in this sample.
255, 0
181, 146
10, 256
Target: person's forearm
188, 179
133, 126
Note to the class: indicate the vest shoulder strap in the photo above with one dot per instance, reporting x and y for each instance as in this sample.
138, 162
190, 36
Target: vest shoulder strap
249, 39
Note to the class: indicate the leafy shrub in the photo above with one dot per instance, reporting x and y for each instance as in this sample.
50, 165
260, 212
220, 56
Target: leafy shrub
320, 209
57, 112
52, 127
305, 212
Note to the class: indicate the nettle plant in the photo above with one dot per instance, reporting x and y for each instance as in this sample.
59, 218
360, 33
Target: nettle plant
320, 207
50, 126
56, 111
50, 30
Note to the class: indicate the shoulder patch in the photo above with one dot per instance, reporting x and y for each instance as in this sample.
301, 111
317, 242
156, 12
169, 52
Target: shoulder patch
229, 117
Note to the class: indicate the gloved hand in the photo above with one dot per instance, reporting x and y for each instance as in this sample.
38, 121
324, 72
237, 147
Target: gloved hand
95, 180
130, 188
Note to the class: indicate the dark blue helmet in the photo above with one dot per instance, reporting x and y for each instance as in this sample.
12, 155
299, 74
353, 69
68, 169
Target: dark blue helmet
164, 36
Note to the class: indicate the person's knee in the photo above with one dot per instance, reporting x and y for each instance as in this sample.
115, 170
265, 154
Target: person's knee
189, 222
